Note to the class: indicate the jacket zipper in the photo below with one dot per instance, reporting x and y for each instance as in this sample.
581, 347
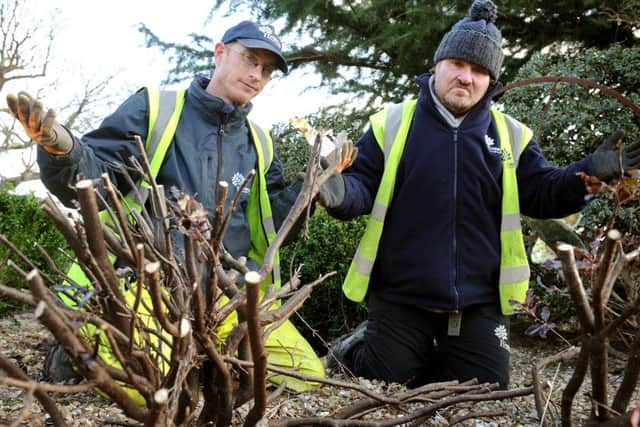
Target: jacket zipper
219, 166
454, 281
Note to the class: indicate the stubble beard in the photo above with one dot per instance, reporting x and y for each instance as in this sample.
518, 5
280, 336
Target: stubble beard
455, 104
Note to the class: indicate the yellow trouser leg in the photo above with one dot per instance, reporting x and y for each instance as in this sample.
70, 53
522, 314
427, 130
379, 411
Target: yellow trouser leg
286, 348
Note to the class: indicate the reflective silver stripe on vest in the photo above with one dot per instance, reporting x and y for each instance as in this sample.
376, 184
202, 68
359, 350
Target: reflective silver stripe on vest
165, 111
275, 271
510, 222
510, 275
363, 265
263, 143
515, 133
166, 107
267, 222
268, 225
379, 211
391, 127
392, 123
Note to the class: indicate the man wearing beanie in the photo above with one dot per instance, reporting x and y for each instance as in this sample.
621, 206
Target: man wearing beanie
444, 179
206, 138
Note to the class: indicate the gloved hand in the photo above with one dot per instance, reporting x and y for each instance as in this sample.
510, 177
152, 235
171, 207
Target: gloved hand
331, 194
606, 164
41, 127
342, 155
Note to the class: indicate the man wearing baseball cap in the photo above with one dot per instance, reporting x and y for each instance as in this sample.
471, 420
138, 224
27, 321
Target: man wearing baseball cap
212, 141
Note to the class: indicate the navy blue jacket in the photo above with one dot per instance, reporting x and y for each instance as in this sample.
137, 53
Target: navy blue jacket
440, 246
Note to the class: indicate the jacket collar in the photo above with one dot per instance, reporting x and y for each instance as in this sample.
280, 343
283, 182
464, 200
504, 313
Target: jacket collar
214, 109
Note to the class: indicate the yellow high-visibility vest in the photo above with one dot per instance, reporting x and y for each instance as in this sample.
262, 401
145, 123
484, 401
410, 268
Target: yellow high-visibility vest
391, 129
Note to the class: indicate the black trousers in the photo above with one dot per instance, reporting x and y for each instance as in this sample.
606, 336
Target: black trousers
412, 346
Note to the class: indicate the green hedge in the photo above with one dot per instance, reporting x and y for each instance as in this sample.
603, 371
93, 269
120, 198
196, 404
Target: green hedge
330, 247
24, 224
579, 118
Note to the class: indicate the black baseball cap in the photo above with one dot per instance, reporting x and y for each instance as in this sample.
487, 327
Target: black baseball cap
257, 36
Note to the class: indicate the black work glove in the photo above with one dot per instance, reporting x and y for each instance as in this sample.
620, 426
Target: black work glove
606, 164
41, 127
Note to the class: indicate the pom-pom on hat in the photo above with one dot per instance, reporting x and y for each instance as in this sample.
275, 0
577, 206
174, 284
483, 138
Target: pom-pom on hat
475, 39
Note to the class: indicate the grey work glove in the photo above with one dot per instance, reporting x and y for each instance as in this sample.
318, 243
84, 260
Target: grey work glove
606, 163
41, 127
331, 194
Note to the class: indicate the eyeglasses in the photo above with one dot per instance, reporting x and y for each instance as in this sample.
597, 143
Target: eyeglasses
252, 62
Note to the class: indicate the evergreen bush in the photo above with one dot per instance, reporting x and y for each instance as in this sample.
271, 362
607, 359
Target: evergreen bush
330, 247
24, 224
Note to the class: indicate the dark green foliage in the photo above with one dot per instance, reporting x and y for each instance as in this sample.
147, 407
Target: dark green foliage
188, 59
544, 283
24, 223
579, 118
330, 247
599, 211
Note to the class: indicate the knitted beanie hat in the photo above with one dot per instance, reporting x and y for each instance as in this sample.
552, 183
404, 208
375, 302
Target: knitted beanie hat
475, 39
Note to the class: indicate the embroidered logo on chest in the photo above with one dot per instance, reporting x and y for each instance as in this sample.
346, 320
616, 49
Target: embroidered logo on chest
237, 181
496, 150
491, 145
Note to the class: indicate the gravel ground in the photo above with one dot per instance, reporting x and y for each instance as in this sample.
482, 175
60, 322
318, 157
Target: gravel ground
23, 340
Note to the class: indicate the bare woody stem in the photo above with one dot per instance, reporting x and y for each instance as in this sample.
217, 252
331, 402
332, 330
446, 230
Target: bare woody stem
308, 191
606, 274
576, 289
123, 222
252, 280
152, 271
95, 240
92, 370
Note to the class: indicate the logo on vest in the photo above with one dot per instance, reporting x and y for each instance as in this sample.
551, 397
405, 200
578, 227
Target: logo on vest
506, 156
237, 179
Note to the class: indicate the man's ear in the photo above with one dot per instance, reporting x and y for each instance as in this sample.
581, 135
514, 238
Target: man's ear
218, 51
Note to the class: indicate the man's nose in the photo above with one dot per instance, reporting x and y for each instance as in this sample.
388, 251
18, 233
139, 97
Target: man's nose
258, 72
255, 72
464, 75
